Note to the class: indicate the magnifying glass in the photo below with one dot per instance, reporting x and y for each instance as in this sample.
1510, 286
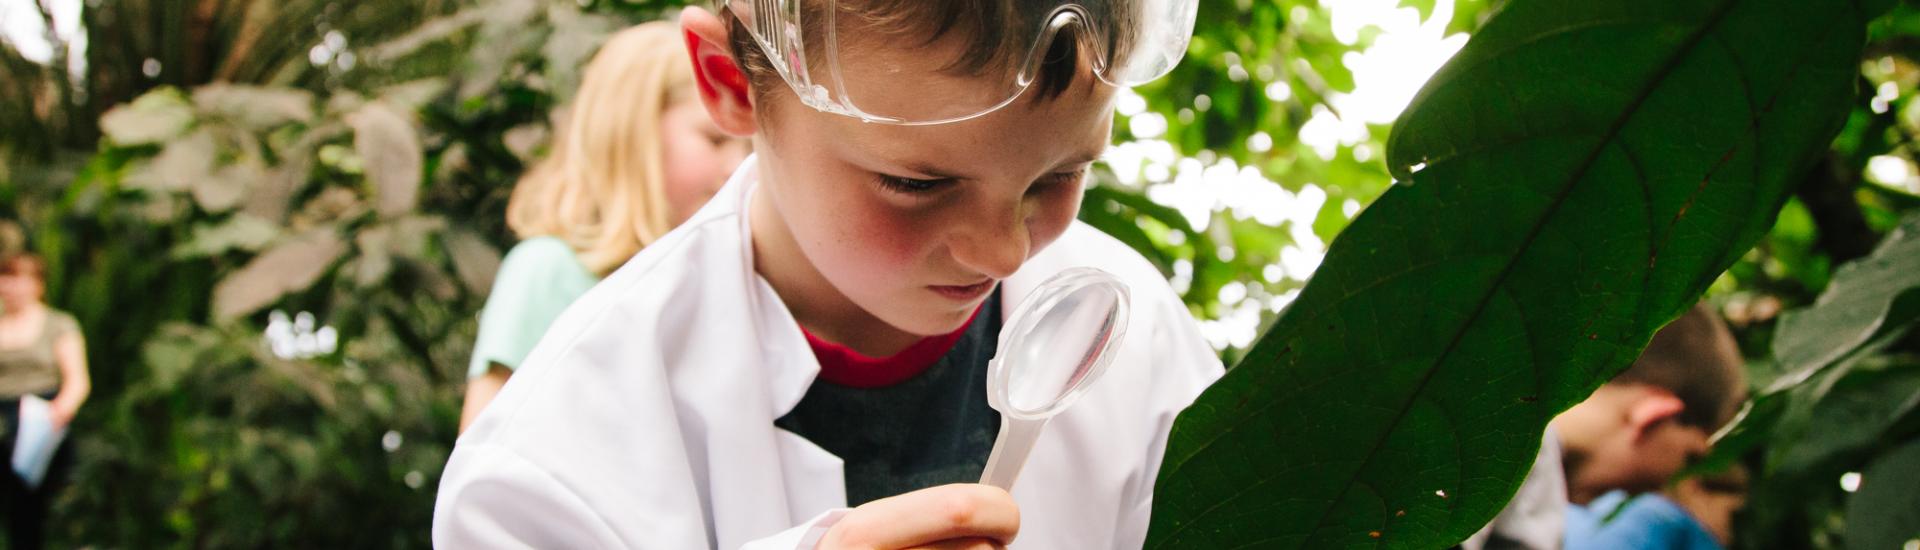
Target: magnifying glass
1056, 344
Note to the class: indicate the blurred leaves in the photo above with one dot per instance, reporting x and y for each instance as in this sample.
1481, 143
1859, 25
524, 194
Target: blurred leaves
1886, 511
391, 152
178, 166
154, 118
241, 232
289, 266
253, 107
473, 259
1858, 305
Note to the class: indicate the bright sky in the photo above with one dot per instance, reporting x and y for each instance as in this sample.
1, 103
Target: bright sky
20, 25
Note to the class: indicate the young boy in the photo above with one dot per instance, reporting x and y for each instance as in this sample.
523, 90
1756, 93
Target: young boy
1629, 438
816, 337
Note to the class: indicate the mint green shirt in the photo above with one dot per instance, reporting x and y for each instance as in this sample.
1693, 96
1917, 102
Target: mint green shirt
538, 279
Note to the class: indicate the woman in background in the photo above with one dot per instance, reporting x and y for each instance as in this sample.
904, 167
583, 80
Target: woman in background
636, 156
43, 356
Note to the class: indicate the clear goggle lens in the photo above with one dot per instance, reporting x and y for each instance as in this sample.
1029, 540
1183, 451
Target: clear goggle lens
843, 57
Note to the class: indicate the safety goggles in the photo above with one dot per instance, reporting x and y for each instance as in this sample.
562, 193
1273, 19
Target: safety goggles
969, 58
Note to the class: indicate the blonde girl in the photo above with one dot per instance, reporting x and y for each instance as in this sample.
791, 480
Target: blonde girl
636, 156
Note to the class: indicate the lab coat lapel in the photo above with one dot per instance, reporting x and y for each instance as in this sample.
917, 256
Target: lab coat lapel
815, 478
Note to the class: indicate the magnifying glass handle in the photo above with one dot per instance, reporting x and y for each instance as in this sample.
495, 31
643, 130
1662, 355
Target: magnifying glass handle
1010, 451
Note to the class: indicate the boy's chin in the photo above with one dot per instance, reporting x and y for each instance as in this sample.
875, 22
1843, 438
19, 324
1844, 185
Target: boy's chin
933, 323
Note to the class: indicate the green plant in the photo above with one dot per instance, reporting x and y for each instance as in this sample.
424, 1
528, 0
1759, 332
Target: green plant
1839, 396
251, 198
1556, 209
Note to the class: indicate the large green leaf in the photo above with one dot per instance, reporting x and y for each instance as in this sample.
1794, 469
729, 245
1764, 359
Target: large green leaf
1858, 304
1572, 180
1857, 413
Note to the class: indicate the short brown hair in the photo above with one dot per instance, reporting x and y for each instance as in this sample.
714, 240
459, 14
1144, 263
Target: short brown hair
1696, 358
984, 24
23, 263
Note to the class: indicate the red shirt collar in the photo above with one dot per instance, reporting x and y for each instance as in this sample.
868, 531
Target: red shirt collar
844, 366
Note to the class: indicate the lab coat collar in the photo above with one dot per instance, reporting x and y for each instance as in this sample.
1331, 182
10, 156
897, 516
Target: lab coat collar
789, 364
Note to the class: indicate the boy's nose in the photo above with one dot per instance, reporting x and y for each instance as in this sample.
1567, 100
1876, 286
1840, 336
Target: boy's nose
994, 245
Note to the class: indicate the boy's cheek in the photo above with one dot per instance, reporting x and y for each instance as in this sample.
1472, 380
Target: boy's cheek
1053, 219
878, 238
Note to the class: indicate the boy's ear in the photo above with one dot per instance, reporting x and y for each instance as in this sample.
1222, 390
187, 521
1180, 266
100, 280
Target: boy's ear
722, 83
1650, 409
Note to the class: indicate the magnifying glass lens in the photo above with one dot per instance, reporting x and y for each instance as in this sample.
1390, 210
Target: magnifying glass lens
1056, 345
1063, 348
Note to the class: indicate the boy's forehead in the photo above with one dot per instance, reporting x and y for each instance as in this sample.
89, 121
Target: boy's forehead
890, 73
1022, 139
882, 76
902, 74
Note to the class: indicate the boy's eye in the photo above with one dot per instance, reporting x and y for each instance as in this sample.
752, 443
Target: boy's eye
1058, 179
911, 186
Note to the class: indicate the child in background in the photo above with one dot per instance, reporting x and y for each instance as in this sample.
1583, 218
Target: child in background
802, 364
1624, 444
1627, 441
636, 156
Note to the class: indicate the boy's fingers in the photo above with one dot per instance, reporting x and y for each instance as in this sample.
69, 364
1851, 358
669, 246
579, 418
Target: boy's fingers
930, 517
963, 544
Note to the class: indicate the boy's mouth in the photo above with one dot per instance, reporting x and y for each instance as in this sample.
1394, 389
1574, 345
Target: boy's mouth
964, 293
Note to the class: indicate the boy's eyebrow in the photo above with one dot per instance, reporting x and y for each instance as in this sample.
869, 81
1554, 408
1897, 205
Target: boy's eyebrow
932, 172
935, 173
1087, 158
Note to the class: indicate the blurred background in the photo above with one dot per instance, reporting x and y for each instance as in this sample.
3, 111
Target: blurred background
277, 220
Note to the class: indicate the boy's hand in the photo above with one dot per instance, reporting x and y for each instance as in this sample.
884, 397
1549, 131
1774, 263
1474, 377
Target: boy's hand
1713, 499
959, 516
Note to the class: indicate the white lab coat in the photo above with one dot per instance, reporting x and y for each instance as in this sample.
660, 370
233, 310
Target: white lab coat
644, 418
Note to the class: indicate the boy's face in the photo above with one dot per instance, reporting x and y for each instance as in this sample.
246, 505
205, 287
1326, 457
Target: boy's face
1661, 451
916, 225
1637, 443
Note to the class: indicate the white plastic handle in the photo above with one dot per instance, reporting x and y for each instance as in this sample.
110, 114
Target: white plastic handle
1010, 451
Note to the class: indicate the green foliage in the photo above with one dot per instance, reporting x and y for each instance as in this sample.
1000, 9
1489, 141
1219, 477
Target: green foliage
1841, 392
1256, 74
1871, 299
136, 45
1558, 208
198, 435
1886, 512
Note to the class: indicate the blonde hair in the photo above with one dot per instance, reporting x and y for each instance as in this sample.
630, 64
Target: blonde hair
601, 187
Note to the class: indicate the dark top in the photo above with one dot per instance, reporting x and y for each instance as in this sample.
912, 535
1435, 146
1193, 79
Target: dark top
931, 429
